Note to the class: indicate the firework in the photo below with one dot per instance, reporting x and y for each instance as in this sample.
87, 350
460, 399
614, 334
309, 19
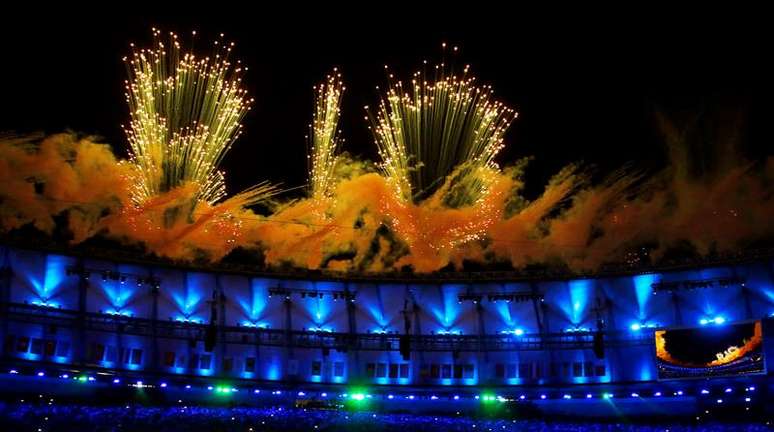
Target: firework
324, 140
185, 114
436, 128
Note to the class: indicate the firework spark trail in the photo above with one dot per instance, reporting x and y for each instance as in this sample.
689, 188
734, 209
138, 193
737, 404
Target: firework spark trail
324, 140
437, 141
185, 115
426, 131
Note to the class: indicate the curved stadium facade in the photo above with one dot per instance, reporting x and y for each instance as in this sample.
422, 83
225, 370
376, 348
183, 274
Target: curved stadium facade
451, 337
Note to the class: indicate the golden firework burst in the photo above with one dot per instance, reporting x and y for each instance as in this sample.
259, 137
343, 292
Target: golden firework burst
324, 140
186, 112
439, 127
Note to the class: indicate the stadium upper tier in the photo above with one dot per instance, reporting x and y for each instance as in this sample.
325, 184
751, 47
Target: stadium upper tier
141, 316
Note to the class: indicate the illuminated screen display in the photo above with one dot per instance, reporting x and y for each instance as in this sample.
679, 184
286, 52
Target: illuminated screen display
717, 350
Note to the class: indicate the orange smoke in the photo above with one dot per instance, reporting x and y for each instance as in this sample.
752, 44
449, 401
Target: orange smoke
365, 227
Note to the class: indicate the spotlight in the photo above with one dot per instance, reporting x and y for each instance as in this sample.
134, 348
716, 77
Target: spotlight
635, 327
719, 320
458, 398
704, 391
728, 390
657, 394
116, 381
163, 385
589, 396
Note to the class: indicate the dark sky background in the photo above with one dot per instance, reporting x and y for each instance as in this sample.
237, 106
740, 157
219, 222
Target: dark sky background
585, 89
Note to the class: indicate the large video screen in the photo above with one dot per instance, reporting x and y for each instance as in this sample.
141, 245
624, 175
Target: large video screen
718, 350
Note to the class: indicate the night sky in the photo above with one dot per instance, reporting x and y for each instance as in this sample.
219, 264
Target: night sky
585, 90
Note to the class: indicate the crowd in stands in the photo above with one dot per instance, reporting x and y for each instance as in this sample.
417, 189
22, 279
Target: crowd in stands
43, 417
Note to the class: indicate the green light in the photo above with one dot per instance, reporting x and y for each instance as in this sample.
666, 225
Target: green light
488, 397
357, 399
224, 390
82, 379
607, 396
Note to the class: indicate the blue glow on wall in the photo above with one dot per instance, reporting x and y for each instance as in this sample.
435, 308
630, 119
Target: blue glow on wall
205, 372
645, 372
643, 289
447, 312
717, 320
119, 312
254, 324
187, 319
504, 310
254, 304
47, 288
377, 313
577, 302
188, 300
637, 326
118, 295
273, 370
46, 303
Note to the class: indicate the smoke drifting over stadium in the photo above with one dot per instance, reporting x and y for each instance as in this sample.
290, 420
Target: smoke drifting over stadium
437, 198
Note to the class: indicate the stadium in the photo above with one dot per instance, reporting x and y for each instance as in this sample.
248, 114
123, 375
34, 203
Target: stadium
81, 325
430, 289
